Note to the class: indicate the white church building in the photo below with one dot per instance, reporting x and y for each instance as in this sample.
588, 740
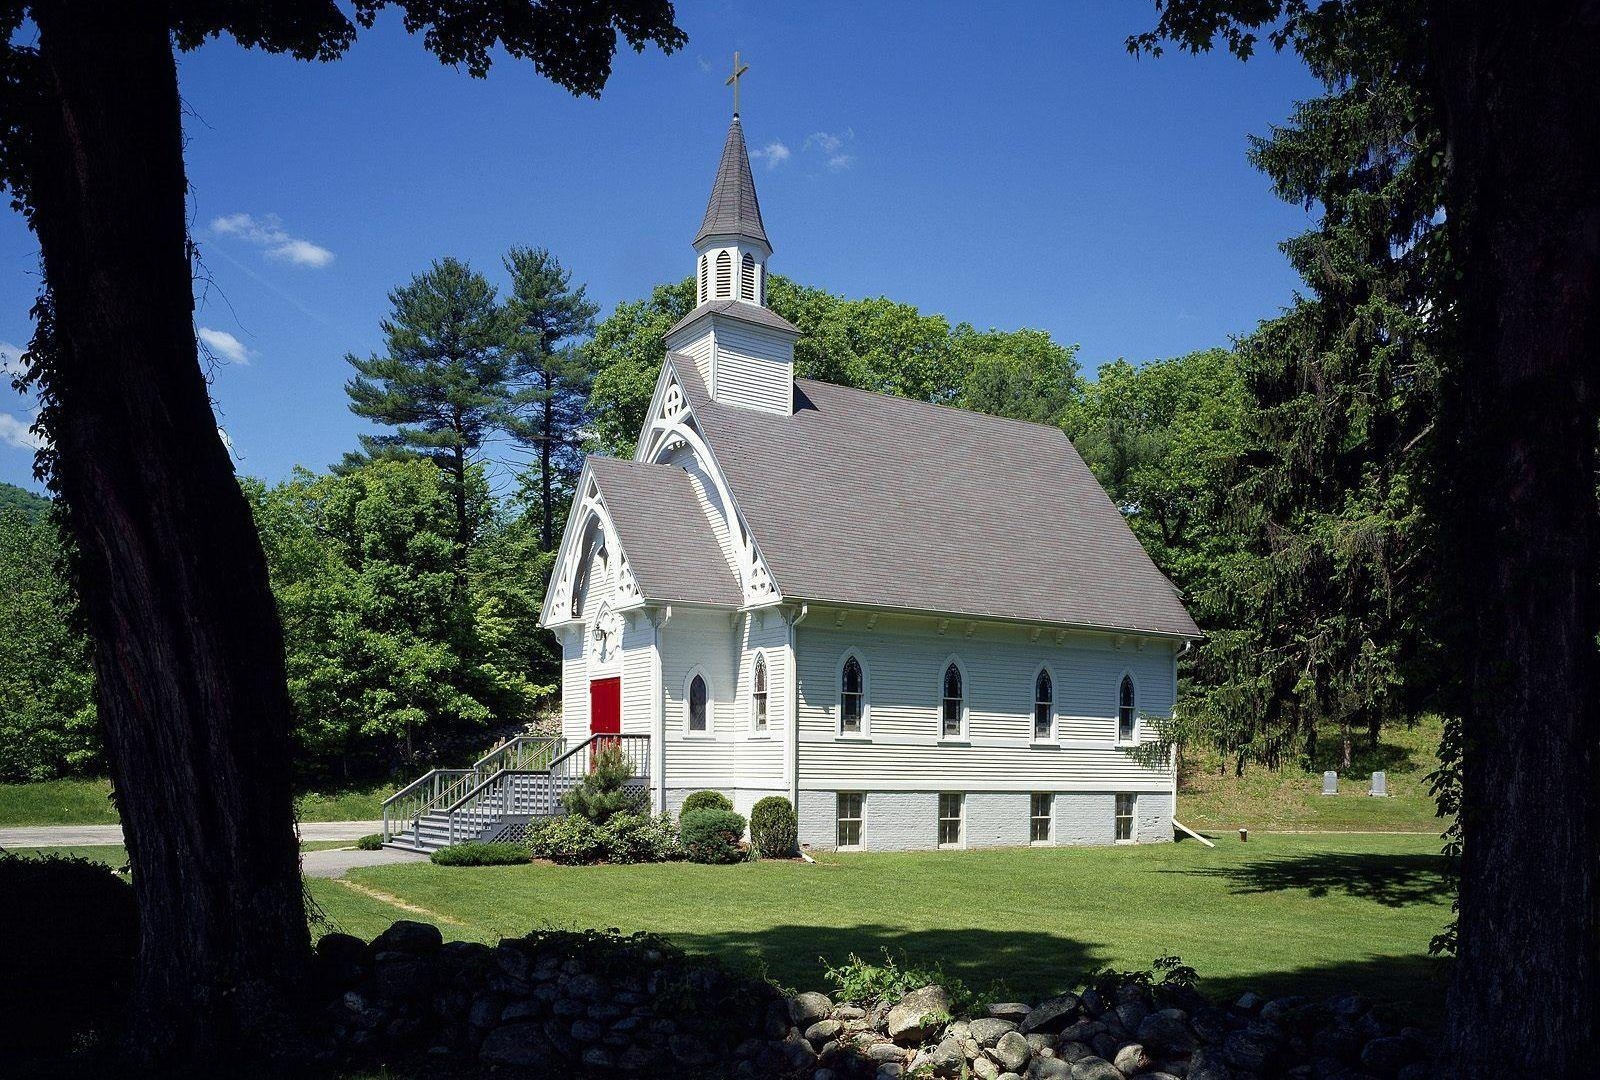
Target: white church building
926, 627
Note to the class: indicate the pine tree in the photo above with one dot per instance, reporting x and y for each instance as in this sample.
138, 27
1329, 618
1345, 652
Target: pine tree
443, 383
552, 374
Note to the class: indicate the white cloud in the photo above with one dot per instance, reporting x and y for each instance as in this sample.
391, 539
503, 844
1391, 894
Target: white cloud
15, 432
223, 344
267, 232
774, 154
10, 359
831, 146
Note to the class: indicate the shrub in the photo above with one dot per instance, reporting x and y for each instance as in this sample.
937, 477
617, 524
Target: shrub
774, 828
602, 792
477, 854
711, 836
370, 842
68, 942
860, 982
705, 800
570, 840
639, 838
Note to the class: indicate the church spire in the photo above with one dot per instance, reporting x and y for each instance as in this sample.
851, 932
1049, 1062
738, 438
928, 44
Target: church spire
733, 213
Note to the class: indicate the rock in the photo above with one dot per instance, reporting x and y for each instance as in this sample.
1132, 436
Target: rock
1073, 1051
1207, 1064
519, 1044
885, 1051
598, 1057
1132, 1014
891, 1071
1132, 1059
909, 1021
1011, 1052
823, 1031
1168, 1033
987, 1031
848, 1012
408, 936
1338, 1040
1255, 1049
1250, 1002
344, 947
1210, 1025
1095, 1068
1049, 1069
1106, 1045
1082, 1031
1282, 1010
519, 1010
824, 1074
1051, 1015
1388, 1054
946, 1059
1008, 1076
1346, 1006
400, 976
984, 1069
1015, 1011
806, 1009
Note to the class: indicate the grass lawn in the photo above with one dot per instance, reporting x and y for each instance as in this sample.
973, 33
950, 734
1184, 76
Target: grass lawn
1291, 798
88, 802
117, 855
1281, 913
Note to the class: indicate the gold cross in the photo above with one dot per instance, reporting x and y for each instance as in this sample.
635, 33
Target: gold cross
733, 81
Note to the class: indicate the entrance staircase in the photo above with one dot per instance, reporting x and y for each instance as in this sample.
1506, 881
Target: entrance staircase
512, 785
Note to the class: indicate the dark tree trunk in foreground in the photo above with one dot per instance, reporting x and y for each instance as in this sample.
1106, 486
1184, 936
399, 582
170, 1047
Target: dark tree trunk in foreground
189, 651
1521, 101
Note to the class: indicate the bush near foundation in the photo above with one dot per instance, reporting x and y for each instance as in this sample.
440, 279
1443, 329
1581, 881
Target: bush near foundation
774, 828
477, 854
712, 836
705, 800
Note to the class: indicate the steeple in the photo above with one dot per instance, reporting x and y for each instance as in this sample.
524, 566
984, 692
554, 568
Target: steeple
733, 213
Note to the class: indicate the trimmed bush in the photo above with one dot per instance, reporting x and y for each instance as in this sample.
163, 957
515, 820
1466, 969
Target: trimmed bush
476, 854
67, 946
639, 838
570, 840
370, 842
774, 828
711, 836
602, 792
705, 800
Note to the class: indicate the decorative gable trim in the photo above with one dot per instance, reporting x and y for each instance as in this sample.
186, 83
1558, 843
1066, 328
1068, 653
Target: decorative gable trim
589, 514
670, 425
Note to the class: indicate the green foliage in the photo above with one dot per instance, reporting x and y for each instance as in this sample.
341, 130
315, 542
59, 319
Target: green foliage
602, 793
861, 982
48, 719
570, 840
774, 827
705, 800
625, 838
388, 660
370, 842
14, 498
712, 836
69, 939
482, 854
1164, 976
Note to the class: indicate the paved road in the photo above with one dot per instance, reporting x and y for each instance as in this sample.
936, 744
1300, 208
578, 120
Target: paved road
33, 836
334, 862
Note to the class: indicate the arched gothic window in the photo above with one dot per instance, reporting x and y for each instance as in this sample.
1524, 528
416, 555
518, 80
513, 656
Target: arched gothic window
697, 704
852, 696
1127, 715
747, 278
1044, 699
705, 269
953, 702
724, 274
758, 696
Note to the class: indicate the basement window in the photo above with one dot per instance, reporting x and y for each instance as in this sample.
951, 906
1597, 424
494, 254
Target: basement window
1124, 821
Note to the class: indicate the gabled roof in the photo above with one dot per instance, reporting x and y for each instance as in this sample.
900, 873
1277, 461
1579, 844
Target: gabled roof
866, 499
671, 549
735, 309
733, 209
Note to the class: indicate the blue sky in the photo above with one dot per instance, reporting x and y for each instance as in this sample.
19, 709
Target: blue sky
1010, 166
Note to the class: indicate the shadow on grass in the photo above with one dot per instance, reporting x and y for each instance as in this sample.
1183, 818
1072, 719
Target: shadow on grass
1393, 880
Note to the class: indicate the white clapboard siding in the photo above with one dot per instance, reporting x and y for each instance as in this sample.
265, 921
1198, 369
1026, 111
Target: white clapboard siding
904, 661
703, 640
574, 689
760, 758
754, 368
638, 661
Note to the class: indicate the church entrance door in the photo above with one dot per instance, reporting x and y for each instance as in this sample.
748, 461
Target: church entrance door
605, 713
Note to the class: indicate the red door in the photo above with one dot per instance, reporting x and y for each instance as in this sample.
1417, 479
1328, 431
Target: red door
605, 711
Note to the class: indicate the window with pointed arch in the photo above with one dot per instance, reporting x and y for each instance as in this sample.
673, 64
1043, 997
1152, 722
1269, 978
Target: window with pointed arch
1044, 706
952, 703
758, 696
705, 270
697, 713
747, 278
724, 274
1127, 711
852, 697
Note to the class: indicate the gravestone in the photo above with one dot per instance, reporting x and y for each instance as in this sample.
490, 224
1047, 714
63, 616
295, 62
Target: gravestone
1330, 783
1380, 786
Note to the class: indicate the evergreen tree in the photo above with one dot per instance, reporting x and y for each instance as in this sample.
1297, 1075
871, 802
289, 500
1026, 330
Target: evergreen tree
552, 374
443, 383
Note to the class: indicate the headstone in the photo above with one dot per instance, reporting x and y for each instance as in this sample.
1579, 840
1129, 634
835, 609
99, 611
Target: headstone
1380, 786
1330, 783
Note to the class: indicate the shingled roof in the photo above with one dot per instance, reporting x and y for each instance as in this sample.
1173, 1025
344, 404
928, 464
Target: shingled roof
733, 209
664, 532
866, 499
735, 309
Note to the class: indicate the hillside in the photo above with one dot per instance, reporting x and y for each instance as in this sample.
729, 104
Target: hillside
13, 497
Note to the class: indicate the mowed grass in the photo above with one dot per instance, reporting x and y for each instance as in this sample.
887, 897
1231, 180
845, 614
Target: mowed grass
1212, 797
89, 802
117, 855
1295, 914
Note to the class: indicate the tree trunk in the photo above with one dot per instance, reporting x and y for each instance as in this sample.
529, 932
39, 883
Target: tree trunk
458, 471
1520, 99
547, 492
188, 648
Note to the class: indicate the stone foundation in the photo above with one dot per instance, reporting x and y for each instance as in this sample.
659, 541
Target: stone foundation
909, 820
